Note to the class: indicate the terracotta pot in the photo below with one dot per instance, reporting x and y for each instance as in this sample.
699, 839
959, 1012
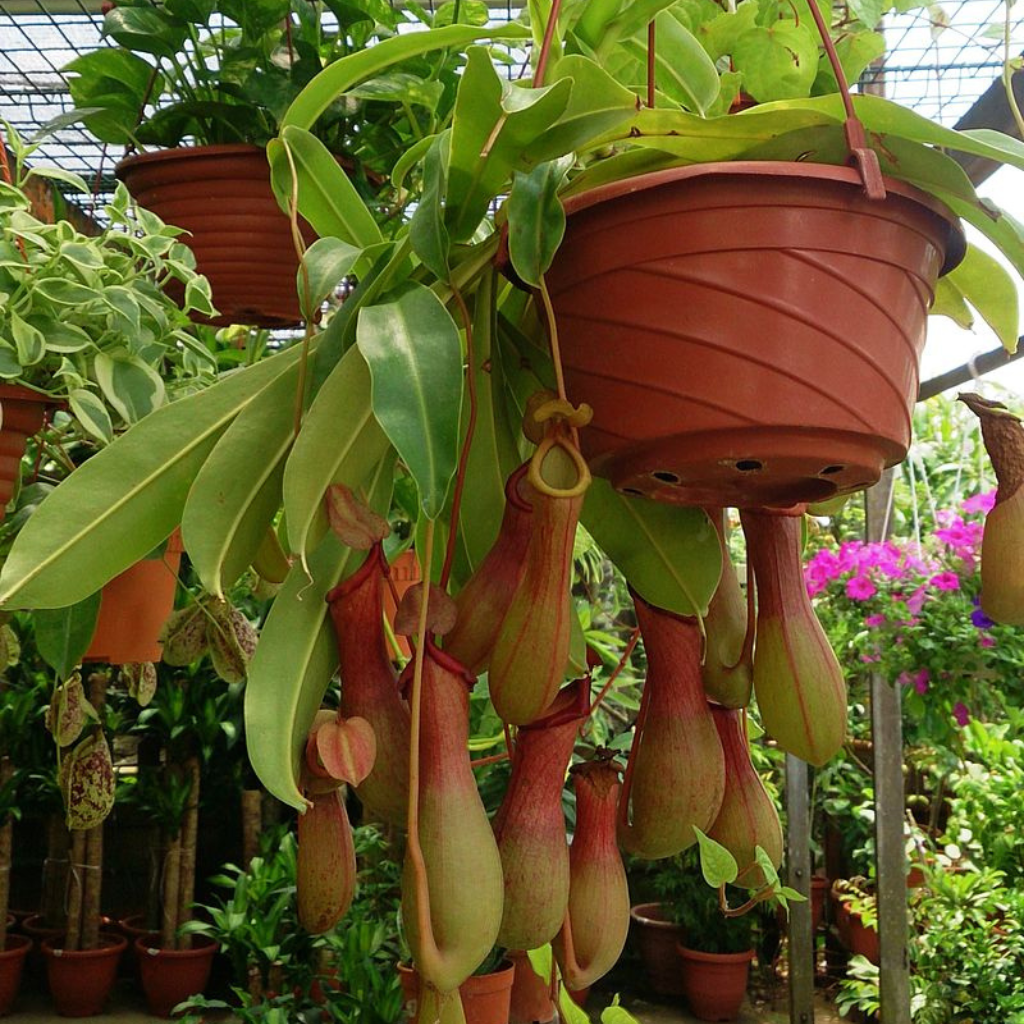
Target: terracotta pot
531, 994
241, 239
12, 962
715, 983
862, 940
134, 607
38, 931
820, 886
656, 939
405, 571
486, 998
747, 333
23, 414
170, 976
81, 980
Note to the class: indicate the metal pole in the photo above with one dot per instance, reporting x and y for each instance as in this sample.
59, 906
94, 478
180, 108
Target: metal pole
890, 854
798, 859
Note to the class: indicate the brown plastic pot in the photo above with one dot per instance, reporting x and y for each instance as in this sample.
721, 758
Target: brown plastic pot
241, 239
134, 607
170, 976
715, 983
531, 1001
862, 940
12, 962
747, 333
486, 998
656, 939
81, 980
23, 414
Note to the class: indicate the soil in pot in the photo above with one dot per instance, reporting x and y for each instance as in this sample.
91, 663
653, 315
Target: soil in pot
81, 980
715, 983
656, 938
747, 334
12, 963
486, 998
169, 976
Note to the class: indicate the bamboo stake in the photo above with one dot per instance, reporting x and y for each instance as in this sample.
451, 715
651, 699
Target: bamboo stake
189, 840
6, 831
252, 824
171, 886
55, 872
92, 864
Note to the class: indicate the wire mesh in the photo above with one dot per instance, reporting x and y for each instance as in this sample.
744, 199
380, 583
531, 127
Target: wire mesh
940, 60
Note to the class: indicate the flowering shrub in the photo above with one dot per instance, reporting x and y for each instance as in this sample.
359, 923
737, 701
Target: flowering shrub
911, 611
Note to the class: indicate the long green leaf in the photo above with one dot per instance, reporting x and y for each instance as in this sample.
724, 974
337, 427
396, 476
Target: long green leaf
124, 501
427, 232
63, 635
669, 554
326, 196
412, 347
536, 219
340, 442
238, 490
330, 84
296, 657
985, 284
494, 124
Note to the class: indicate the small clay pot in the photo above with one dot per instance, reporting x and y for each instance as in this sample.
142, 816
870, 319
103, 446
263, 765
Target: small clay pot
656, 939
486, 998
170, 976
715, 983
81, 980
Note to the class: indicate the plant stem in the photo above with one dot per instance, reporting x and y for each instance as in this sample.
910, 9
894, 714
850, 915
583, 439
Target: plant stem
1008, 71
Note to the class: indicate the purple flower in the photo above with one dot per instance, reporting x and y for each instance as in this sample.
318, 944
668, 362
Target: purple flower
874, 620
945, 581
860, 588
978, 617
921, 681
916, 601
961, 713
980, 502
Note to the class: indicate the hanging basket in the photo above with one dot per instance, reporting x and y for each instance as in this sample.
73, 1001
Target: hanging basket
748, 333
23, 412
241, 239
134, 607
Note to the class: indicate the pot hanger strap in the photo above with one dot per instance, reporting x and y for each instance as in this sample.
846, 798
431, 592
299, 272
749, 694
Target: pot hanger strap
862, 156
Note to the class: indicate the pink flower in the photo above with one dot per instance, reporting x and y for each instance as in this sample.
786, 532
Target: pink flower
921, 681
980, 502
945, 581
986, 641
916, 601
961, 713
874, 620
860, 588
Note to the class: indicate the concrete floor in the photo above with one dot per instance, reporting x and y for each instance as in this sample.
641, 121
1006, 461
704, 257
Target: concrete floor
128, 1007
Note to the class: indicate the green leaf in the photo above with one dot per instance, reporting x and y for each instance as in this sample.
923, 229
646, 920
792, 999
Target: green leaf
28, 340
764, 862
778, 62
401, 87
684, 71
949, 302
124, 501
76, 182
984, 283
92, 414
536, 219
717, 864
238, 489
412, 347
296, 657
340, 442
63, 635
146, 30
115, 84
792, 895
326, 198
132, 387
596, 105
669, 554
331, 83
617, 1015
427, 232
327, 261
494, 122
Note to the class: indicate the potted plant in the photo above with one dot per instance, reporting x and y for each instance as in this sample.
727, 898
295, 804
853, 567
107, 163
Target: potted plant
655, 925
87, 326
207, 84
429, 321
